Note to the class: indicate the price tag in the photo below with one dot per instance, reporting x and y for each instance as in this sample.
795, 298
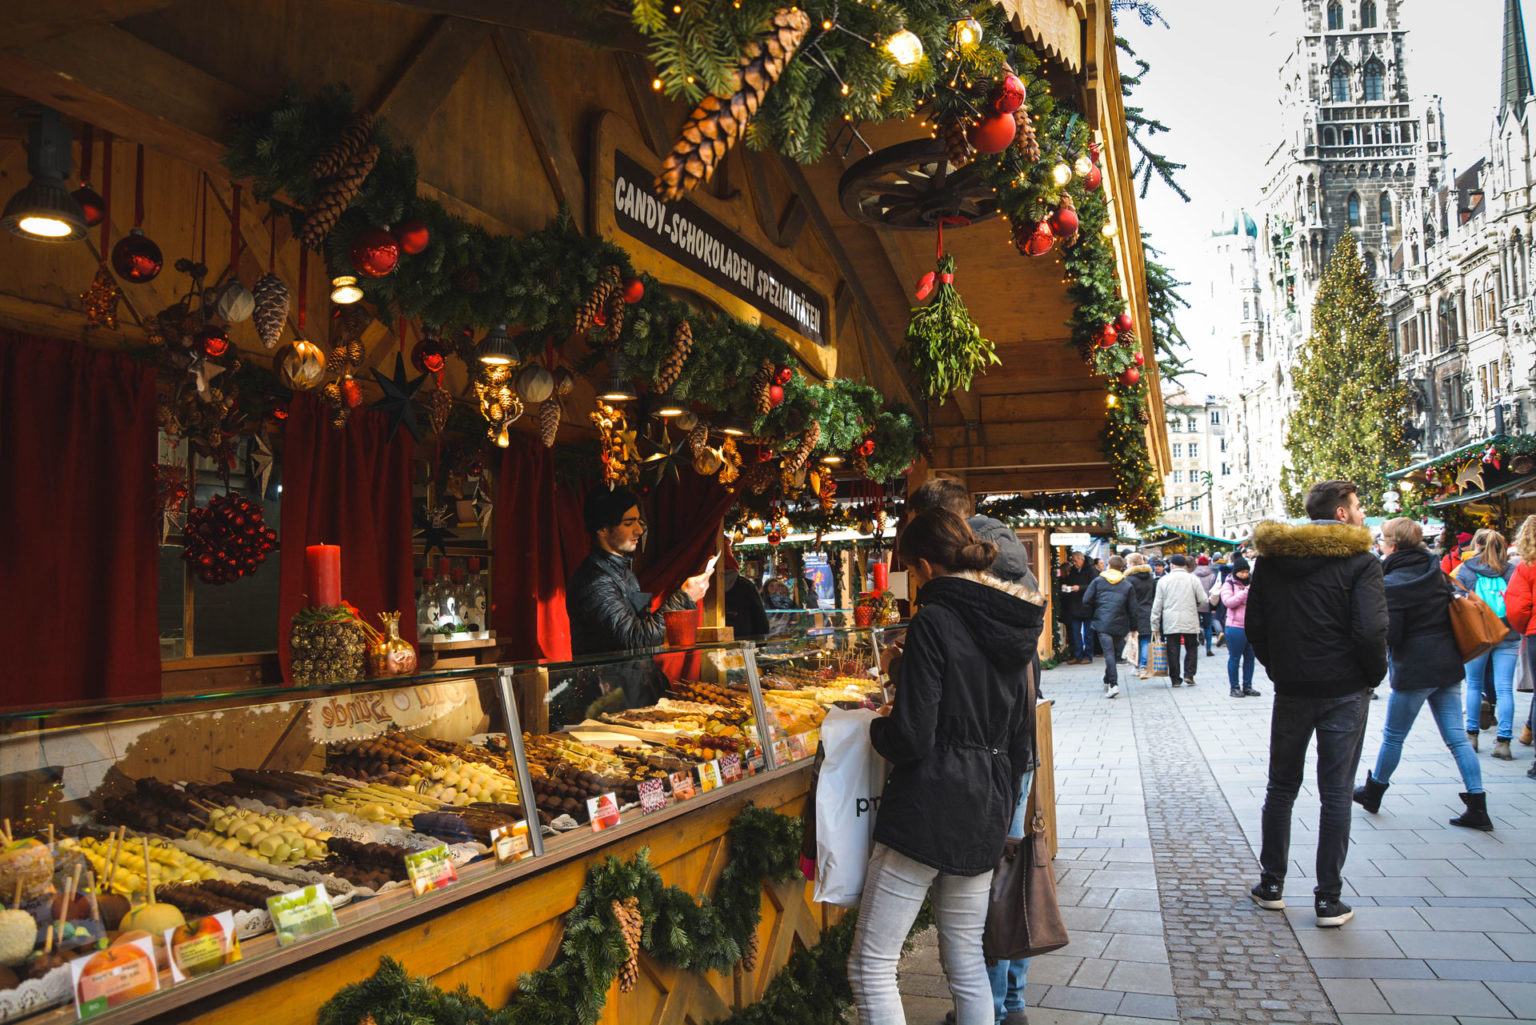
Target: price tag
653, 796
301, 913
511, 842
682, 785
603, 810
431, 869
812, 740
111, 978
202, 945
755, 762
709, 775
796, 747
730, 768
781, 752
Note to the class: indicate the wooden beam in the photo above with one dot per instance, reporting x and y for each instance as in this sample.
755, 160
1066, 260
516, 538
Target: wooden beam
426, 75
1079, 478
993, 435
26, 314
655, 127
791, 222
35, 23
570, 21
1038, 453
762, 195
545, 126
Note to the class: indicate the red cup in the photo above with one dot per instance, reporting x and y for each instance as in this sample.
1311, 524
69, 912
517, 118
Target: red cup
682, 627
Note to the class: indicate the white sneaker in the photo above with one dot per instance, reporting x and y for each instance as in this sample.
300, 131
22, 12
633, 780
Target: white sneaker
1111, 692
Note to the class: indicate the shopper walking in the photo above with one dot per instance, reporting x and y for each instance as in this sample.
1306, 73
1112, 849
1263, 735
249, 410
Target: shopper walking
1144, 582
1519, 600
1111, 602
1234, 598
1487, 574
1074, 584
959, 736
1426, 669
1176, 606
1206, 574
1317, 618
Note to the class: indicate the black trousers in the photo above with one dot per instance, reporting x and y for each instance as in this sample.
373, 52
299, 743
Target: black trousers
1191, 643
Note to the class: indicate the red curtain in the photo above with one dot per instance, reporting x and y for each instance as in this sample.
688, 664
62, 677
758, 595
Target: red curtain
353, 489
539, 541
80, 574
685, 517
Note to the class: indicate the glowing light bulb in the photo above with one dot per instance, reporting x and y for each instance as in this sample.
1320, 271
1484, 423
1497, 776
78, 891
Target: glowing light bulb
1109, 230
1111, 401
966, 32
656, 84
1082, 165
904, 48
1061, 173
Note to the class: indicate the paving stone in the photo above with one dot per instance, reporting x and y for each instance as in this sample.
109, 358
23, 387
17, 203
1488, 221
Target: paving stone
1356, 996
1371, 968
1093, 973
1147, 1005
1140, 977
1518, 997
1071, 998
1132, 947
1416, 996
1477, 919
1465, 946
1485, 971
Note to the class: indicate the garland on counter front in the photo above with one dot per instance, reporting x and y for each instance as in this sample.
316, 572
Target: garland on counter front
694, 935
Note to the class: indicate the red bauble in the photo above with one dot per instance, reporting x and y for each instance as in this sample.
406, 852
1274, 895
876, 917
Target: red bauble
213, 341
1093, 151
429, 356
1034, 238
868, 448
774, 537
1139, 358
784, 375
1064, 221
1093, 179
136, 258
634, 290
351, 392
1130, 375
993, 133
1108, 336
412, 235
1008, 95
91, 204
375, 253
1124, 324
775, 395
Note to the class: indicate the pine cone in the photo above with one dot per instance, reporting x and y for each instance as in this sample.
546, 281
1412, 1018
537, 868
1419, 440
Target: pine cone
627, 914
760, 382
341, 152
759, 477
615, 316
698, 438
439, 406
271, 311
672, 366
860, 463
337, 196
549, 421
597, 299
749, 955
715, 125
1027, 141
808, 442
336, 360
955, 144
355, 353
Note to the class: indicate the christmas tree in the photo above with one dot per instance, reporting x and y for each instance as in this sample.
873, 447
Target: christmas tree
1350, 404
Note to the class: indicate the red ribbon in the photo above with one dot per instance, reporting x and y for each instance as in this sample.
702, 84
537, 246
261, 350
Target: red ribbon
946, 279
106, 195
138, 190
303, 280
234, 232
87, 138
958, 222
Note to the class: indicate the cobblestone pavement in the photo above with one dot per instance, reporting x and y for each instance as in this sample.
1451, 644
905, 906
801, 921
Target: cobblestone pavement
1158, 796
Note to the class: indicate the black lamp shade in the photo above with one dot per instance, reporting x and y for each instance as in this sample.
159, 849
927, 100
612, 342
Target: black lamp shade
43, 209
498, 348
618, 387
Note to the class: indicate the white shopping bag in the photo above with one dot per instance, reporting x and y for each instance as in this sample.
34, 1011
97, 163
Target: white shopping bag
847, 797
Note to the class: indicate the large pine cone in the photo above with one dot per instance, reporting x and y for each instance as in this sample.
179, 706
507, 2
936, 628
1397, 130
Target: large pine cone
271, 311
955, 143
672, 366
1027, 141
337, 196
340, 152
760, 382
597, 299
549, 421
808, 443
715, 124
698, 438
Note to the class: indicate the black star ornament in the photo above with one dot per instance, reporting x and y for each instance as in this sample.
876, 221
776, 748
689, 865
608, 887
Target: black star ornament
399, 401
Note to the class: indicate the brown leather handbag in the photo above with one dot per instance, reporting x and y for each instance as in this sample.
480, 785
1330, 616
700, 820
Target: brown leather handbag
1023, 918
1478, 629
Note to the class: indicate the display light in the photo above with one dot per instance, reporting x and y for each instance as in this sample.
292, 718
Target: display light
734, 426
904, 48
831, 459
668, 407
344, 290
43, 210
618, 387
1061, 173
1082, 165
497, 349
1109, 230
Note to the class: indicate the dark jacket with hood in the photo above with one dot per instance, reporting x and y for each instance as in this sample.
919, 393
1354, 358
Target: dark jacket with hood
1468, 573
1419, 638
1111, 602
1012, 562
1317, 611
609, 613
960, 732
1144, 583
1079, 577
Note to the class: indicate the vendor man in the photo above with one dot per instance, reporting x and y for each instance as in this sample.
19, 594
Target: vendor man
607, 609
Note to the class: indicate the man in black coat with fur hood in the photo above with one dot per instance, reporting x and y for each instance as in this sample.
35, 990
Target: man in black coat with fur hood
1317, 617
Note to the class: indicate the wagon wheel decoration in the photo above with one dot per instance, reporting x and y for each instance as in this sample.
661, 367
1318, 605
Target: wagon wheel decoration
909, 186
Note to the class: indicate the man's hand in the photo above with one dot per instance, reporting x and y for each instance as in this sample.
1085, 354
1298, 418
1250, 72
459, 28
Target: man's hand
694, 587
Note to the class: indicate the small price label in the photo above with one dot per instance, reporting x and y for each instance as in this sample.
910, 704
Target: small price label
781, 752
653, 796
755, 763
301, 913
709, 775
812, 741
603, 810
511, 842
730, 768
683, 786
431, 869
796, 747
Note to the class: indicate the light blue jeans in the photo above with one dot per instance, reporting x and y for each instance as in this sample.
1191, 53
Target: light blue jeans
894, 887
1008, 977
1502, 660
1143, 645
1445, 703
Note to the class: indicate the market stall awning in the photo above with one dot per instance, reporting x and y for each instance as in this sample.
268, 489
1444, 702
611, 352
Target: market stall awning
1054, 26
1469, 448
1193, 535
1498, 489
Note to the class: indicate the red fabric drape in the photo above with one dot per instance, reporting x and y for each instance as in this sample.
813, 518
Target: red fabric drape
685, 517
80, 573
539, 542
347, 488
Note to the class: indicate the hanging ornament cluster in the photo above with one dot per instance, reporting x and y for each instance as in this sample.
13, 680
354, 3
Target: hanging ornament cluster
99, 300
344, 394
226, 539
171, 494
716, 124
340, 170
499, 404
620, 451
945, 348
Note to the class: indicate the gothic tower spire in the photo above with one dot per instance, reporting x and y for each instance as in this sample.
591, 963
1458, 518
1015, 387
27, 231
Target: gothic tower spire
1515, 86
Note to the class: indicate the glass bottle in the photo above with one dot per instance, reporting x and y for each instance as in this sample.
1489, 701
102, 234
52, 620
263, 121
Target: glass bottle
475, 607
426, 604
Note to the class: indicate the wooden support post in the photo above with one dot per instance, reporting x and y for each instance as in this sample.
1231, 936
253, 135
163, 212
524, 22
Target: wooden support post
545, 126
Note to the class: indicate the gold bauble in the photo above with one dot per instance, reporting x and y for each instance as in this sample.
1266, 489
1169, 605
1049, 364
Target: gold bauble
300, 366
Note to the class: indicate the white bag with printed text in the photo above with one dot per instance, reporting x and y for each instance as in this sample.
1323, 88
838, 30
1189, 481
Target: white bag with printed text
847, 797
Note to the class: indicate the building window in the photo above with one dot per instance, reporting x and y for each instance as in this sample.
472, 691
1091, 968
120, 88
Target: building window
1194, 504
1384, 207
1335, 15
1370, 265
1328, 137
1178, 451
1174, 425
1338, 83
1354, 210
1373, 81
1223, 444
1194, 450
1215, 418
1368, 14
1178, 476
1226, 471
1192, 426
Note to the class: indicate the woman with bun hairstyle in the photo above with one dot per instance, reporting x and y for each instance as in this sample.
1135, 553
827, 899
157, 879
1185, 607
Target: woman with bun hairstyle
1487, 574
959, 735
1519, 599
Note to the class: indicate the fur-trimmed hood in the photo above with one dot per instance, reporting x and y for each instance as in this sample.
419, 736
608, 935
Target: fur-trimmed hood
1310, 540
1031, 595
1136, 570
1002, 618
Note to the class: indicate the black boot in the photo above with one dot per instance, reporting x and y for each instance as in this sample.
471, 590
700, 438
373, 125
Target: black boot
1369, 796
1476, 815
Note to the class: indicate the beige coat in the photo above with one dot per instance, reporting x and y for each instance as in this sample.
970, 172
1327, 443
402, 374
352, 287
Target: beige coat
1178, 602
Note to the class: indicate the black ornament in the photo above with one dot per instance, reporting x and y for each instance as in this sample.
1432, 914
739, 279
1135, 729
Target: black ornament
399, 401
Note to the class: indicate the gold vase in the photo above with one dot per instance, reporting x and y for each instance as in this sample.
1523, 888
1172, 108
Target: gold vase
391, 654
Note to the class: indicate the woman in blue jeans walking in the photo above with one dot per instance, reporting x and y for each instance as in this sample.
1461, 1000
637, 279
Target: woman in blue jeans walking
1426, 669
1234, 598
1487, 575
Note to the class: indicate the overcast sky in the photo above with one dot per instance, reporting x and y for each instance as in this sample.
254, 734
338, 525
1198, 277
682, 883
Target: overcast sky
1214, 82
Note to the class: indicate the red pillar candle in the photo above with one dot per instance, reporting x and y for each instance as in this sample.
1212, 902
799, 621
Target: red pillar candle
882, 576
324, 564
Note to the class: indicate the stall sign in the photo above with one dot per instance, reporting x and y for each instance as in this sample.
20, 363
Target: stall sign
781, 752
301, 914
682, 785
431, 869
755, 762
684, 233
653, 796
511, 842
1070, 540
110, 978
603, 811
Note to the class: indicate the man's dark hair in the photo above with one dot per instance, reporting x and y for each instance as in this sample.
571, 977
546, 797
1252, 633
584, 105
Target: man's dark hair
942, 491
606, 508
1328, 497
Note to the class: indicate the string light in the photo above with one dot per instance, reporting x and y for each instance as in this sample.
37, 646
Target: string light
1082, 165
966, 32
656, 84
905, 48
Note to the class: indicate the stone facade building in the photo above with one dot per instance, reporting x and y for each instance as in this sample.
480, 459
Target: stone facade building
1197, 438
